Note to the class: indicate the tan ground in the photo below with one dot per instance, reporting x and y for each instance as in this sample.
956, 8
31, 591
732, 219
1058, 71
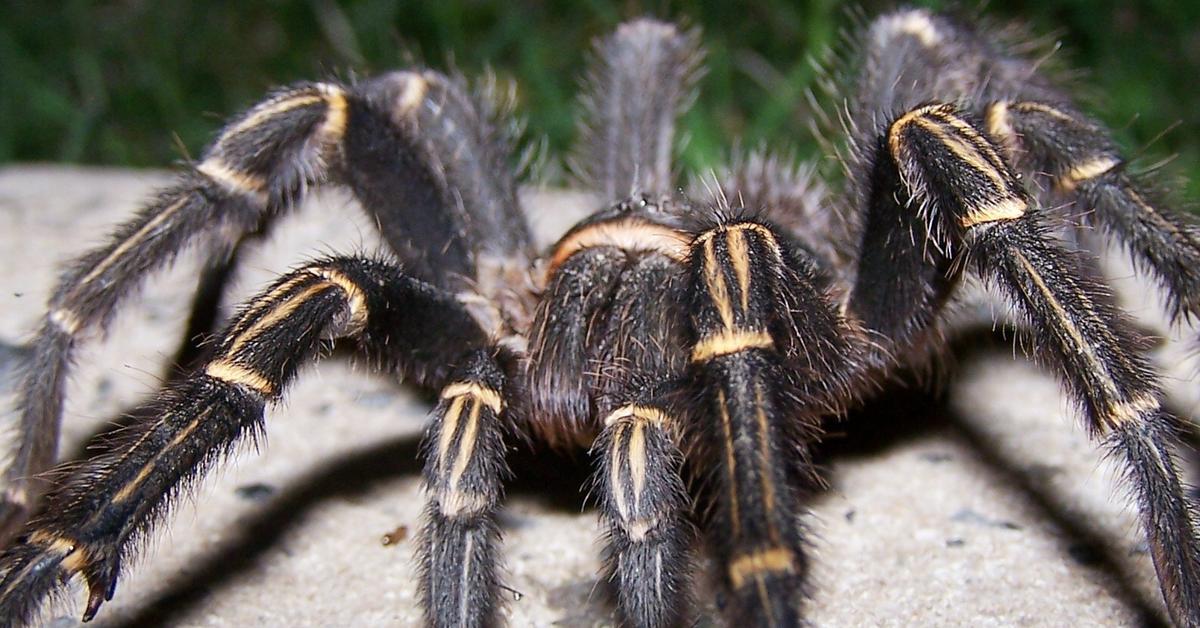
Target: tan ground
995, 511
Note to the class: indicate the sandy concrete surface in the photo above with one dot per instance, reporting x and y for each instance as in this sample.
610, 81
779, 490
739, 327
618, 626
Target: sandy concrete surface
992, 509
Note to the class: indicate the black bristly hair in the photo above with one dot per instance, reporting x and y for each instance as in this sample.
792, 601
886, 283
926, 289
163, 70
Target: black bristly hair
770, 357
677, 338
941, 170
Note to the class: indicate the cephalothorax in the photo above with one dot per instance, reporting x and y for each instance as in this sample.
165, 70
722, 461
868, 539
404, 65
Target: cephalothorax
672, 335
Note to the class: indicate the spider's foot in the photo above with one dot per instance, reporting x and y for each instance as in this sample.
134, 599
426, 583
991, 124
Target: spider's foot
41, 561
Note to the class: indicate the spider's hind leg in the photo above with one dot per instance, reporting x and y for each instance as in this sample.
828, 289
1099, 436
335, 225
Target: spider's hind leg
640, 81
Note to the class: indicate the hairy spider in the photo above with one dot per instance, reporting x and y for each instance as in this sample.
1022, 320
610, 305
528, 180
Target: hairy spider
671, 336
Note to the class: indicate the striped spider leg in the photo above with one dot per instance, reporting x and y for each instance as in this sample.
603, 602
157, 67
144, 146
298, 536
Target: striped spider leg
427, 161
676, 332
942, 116
260, 166
677, 340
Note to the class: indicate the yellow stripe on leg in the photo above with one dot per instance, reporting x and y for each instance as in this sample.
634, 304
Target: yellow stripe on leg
228, 371
243, 183
74, 555
770, 560
488, 396
1089, 169
730, 341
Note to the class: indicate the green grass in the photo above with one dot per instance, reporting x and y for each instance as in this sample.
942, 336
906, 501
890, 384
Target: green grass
145, 83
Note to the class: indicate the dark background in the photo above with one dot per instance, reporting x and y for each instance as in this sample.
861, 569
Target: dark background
145, 83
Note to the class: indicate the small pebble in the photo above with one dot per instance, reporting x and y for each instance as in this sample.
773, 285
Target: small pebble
375, 399
395, 536
255, 492
966, 515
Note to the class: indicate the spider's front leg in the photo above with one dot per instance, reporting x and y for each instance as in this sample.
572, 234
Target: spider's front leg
610, 316
607, 351
464, 470
644, 506
105, 504
938, 172
772, 355
257, 168
425, 157
1048, 138
639, 458
427, 161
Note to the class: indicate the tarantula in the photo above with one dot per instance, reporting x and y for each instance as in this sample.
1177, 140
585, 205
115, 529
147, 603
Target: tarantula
673, 337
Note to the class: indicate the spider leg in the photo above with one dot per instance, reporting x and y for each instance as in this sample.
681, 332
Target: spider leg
949, 175
607, 344
638, 459
1085, 167
638, 83
771, 355
644, 507
429, 163
914, 56
611, 315
105, 504
205, 313
464, 470
421, 154
259, 165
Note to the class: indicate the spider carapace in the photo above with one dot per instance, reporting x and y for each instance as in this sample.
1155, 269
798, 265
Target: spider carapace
672, 334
